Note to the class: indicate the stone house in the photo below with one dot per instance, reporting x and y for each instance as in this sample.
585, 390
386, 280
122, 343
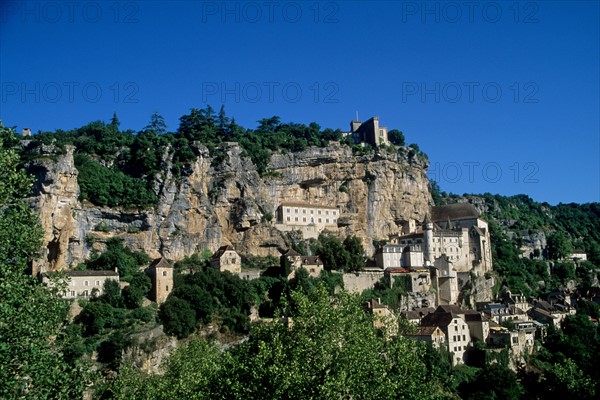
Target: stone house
479, 325
383, 317
429, 334
227, 259
312, 264
161, 275
450, 319
84, 284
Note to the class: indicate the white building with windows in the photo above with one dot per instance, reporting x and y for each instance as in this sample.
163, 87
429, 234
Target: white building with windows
310, 219
84, 284
450, 319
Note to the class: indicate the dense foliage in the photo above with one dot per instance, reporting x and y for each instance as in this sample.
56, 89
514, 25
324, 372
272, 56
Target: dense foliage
286, 359
31, 365
337, 255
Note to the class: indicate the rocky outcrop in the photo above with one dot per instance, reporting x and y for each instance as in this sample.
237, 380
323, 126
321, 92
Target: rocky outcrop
223, 200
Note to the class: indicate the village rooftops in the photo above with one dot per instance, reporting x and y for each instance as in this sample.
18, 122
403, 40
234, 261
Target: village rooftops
454, 212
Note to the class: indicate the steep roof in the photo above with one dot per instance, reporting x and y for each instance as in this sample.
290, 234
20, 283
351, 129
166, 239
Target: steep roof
452, 309
424, 331
437, 319
222, 250
291, 253
454, 212
160, 263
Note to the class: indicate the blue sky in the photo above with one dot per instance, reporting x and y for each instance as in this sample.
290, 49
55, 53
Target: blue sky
502, 96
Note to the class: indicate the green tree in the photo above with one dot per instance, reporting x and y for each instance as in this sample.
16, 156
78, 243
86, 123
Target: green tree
355, 254
332, 252
31, 364
179, 318
559, 246
396, 137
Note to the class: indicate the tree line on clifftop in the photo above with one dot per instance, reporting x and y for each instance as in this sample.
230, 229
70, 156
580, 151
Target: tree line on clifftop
118, 167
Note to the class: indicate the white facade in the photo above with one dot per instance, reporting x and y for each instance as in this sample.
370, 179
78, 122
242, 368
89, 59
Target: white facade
458, 339
84, 284
305, 214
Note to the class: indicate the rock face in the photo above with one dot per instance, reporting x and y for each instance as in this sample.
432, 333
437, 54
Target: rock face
223, 200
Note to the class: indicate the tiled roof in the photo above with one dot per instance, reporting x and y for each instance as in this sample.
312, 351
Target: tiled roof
160, 263
424, 331
222, 250
306, 205
441, 319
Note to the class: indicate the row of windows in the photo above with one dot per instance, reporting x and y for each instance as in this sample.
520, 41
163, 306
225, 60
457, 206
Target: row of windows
457, 338
411, 241
448, 240
87, 283
312, 220
333, 212
459, 348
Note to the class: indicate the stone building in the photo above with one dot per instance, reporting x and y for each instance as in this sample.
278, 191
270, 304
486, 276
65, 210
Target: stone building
84, 284
429, 334
369, 132
450, 319
227, 259
161, 274
291, 261
453, 245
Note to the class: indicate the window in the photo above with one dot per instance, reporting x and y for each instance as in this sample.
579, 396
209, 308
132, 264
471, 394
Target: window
296, 218
86, 283
464, 338
97, 283
287, 210
72, 293
312, 211
312, 219
319, 220
296, 210
326, 212
288, 218
167, 288
304, 211
164, 273
319, 212
303, 219
333, 212
327, 220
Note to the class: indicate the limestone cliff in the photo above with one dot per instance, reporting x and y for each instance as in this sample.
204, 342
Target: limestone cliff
222, 199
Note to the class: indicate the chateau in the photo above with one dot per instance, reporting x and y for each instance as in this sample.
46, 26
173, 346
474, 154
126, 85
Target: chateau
369, 132
453, 245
